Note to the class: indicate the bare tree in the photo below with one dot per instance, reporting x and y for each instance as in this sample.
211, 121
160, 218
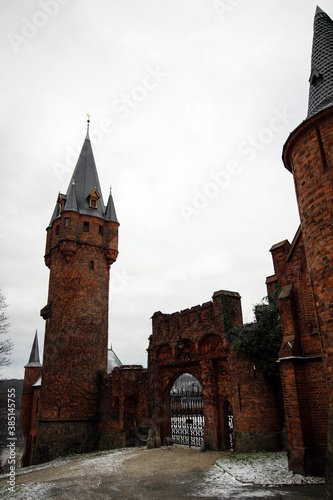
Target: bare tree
6, 344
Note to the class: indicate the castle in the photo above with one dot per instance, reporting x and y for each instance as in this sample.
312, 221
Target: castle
83, 399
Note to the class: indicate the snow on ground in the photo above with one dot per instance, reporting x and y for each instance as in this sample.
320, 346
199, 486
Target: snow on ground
237, 470
264, 468
236, 475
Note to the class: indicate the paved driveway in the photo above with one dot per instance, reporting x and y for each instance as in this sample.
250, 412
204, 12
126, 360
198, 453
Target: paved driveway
168, 473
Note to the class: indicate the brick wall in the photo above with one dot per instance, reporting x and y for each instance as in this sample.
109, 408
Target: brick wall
193, 341
79, 252
30, 410
301, 364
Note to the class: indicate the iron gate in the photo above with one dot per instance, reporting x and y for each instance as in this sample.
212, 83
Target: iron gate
230, 417
187, 417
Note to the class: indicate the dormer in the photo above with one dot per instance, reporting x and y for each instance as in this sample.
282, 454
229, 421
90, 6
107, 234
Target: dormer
93, 198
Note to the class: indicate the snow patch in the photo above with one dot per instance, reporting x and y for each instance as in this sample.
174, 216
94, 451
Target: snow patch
232, 472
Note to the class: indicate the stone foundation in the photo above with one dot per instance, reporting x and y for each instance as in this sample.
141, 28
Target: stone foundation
60, 438
257, 441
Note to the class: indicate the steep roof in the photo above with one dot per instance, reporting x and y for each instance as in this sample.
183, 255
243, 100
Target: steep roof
34, 355
85, 182
113, 360
85, 178
110, 212
321, 78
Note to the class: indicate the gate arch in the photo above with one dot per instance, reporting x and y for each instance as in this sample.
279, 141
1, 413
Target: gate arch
186, 411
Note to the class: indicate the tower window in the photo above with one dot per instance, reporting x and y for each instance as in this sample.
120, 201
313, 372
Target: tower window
101, 230
57, 230
86, 226
66, 222
92, 264
315, 77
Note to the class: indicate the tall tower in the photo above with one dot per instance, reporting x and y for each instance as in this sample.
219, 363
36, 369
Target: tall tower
308, 154
81, 244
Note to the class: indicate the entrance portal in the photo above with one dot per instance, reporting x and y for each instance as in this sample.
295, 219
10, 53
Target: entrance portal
186, 411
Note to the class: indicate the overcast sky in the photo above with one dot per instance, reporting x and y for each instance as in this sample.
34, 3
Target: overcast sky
191, 102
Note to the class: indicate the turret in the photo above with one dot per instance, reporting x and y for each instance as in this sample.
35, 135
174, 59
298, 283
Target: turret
308, 154
32, 373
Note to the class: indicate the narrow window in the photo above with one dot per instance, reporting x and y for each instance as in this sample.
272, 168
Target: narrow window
101, 230
92, 264
86, 226
57, 229
66, 221
322, 151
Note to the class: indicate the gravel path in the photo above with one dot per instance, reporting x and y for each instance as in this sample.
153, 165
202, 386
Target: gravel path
132, 474
168, 473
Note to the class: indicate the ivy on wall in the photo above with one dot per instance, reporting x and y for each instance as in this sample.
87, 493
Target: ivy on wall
260, 341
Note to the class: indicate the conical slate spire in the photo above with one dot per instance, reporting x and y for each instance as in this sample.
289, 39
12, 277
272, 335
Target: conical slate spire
86, 180
84, 194
321, 78
34, 355
110, 212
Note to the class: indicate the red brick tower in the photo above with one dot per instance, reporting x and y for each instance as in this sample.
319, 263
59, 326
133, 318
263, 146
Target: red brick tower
81, 244
308, 154
31, 389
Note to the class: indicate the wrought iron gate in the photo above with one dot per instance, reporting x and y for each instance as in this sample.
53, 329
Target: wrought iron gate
231, 427
187, 417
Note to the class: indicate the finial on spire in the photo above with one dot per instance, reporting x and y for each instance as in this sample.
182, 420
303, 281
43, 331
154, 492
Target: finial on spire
88, 122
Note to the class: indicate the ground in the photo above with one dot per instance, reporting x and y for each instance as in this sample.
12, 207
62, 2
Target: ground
167, 473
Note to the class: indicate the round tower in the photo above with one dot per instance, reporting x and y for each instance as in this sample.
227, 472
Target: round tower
308, 154
81, 244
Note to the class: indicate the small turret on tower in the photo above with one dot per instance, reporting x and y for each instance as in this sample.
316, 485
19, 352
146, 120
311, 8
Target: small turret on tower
28, 418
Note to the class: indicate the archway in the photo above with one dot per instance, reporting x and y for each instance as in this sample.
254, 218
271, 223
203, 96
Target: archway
186, 411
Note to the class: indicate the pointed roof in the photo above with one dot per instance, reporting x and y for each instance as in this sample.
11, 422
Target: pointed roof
321, 77
86, 180
84, 194
34, 355
110, 212
113, 360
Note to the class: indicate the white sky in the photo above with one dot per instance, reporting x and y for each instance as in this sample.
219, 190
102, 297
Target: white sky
191, 102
